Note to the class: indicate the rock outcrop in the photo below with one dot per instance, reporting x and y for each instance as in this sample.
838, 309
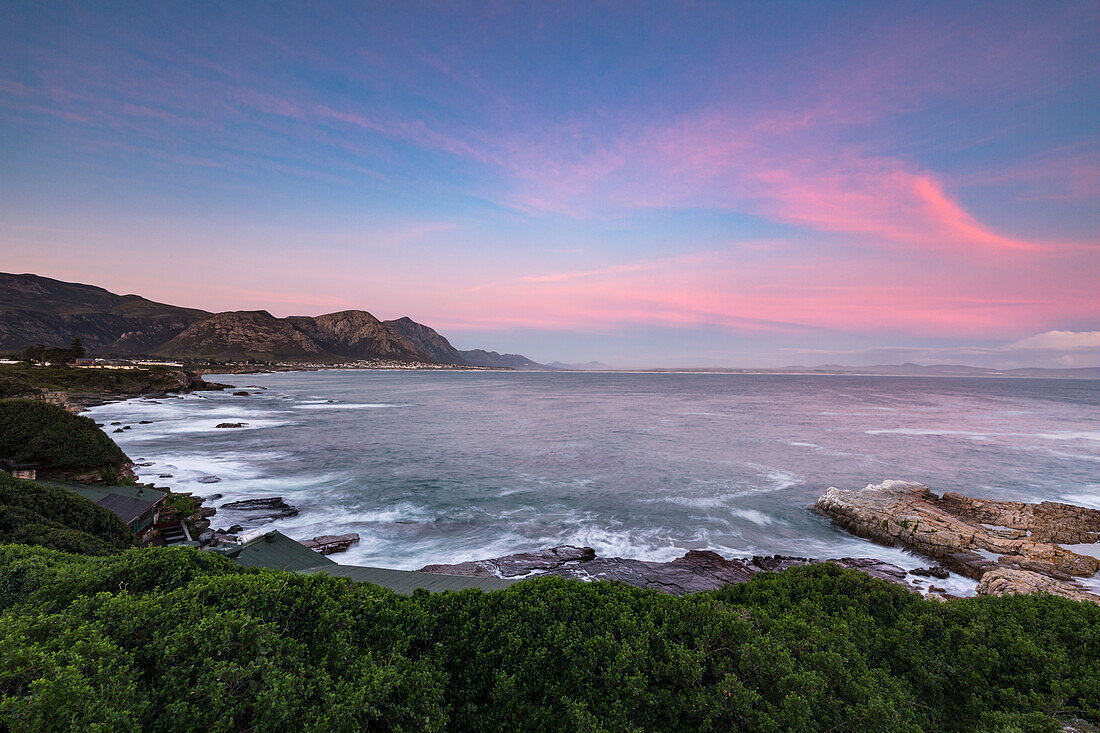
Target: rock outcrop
1005, 581
698, 570
975, 537
330, 543
272, 507
511, 566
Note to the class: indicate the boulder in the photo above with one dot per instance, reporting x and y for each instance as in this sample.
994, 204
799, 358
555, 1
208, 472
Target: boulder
933, 572
1006, 581
230, 425
241, 394
522, 563
330, 543
271, 507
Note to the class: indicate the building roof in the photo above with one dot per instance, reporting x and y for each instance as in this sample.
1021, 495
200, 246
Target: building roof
128, 502
276, 551
406, 581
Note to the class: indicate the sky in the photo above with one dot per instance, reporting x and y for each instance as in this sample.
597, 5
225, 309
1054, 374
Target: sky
643, 184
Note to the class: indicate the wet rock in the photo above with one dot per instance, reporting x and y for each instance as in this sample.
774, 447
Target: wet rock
235, 529
145, 422
1014, 541
206, 537
875, 568
328, 544
932, 572
241, 394
272, 507
208, 480
519, 564
164, 475
118, 430
116, 423
698, 570
230, 425
909, 514
127, 427
213, 497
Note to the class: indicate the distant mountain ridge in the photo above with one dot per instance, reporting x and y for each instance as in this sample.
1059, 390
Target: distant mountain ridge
36, 309
482, 358
426, 340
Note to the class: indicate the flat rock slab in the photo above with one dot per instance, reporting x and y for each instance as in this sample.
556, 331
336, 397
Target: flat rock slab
330, 543
271, 506
511, 566
963, 533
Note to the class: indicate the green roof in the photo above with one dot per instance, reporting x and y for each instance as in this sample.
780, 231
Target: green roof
275, 551
128, 502
406, 581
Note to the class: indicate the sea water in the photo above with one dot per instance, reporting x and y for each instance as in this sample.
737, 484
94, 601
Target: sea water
446, 466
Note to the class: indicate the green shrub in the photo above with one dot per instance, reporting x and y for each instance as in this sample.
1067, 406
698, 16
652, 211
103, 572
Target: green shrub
38, 432
36, 514
177, 639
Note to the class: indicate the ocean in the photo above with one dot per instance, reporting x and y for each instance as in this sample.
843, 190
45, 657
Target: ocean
446, 466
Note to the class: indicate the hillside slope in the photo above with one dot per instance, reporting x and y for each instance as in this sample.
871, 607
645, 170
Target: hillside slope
37, 310
244, 335
427, 341
357, 335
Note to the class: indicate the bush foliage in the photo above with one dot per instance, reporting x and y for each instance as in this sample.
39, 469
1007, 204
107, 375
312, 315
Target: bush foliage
38, 432
176, 639
17, 380
49, 516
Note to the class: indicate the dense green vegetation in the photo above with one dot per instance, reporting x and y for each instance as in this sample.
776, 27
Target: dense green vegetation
54, 438
176, 639
35, 514
18, 380
54, 354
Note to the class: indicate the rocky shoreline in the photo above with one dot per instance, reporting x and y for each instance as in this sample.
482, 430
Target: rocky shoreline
697, 570
1007, 546
957, 533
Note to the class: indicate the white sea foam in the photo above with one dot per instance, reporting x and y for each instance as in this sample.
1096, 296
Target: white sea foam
1090, 497
347, 405
1092, 549
758, 518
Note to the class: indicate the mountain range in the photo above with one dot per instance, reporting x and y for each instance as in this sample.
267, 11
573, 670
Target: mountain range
40, 310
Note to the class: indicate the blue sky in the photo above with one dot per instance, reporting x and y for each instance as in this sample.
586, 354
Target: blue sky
644, 184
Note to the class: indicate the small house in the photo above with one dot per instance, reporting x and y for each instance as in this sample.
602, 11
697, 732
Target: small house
27, 471
137, 506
